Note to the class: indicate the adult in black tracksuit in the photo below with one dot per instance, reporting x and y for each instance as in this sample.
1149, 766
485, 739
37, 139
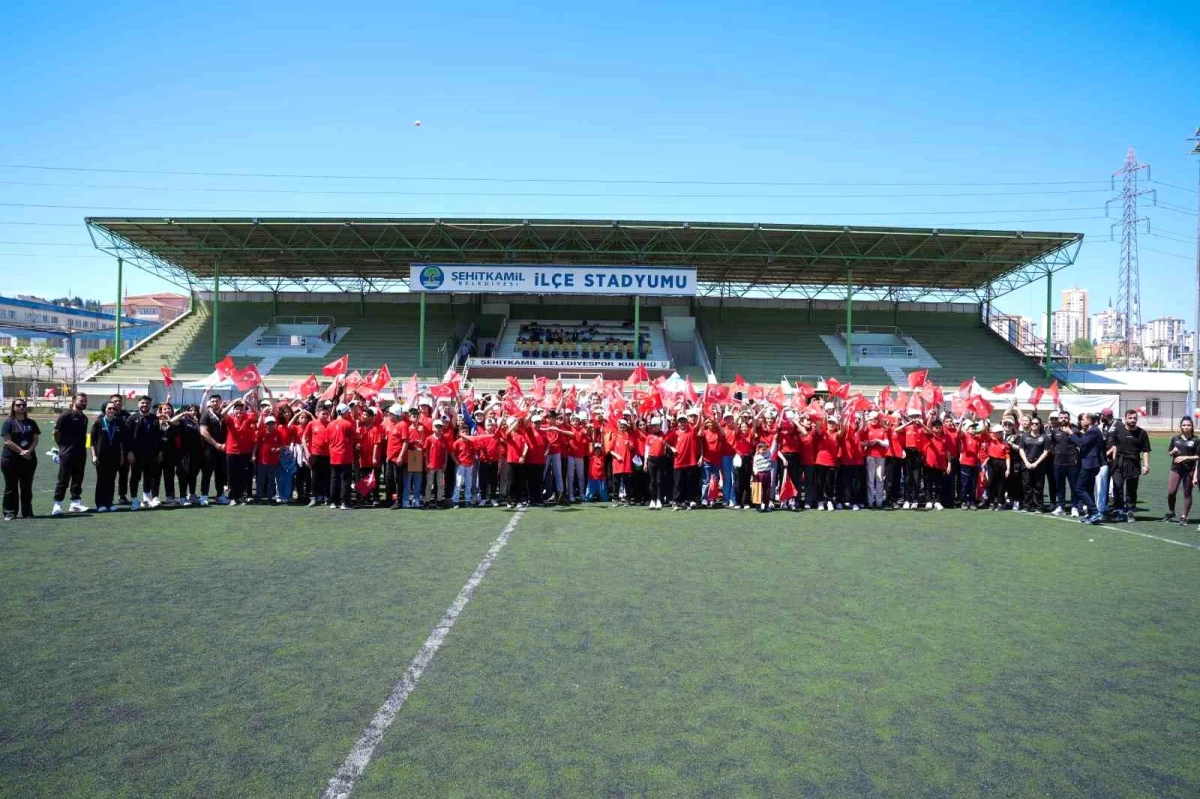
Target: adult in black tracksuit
190, 452
70, 435
1129, 451
144, 444
18, 460
212, 457
108, 453
123, 469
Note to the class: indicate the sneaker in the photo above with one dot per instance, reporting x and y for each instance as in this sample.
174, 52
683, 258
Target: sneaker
1183, 522
938, 506
78, 507
101, 509
854, 507
1169, 516
1095, 518
8, 517
145, 498
1074, 513
928, 506
1016, 506
204, 501
136, 504
154, 502
222, 499
186, 502
829, 506
343, 507
233, 503
112, 509
123, 501
1058, 511
57, 509
906, 505
312, 503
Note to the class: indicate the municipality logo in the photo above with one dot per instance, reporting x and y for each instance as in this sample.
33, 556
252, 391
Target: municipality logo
432, 278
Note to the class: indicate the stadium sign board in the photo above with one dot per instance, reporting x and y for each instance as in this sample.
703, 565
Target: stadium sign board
564, 363
679, 281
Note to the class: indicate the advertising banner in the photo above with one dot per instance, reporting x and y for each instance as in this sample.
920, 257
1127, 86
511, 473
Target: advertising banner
678, 281
564, 363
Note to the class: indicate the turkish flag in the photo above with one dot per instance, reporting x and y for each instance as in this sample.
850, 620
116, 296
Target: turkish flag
1142, 411
330, 392
410, 389
938, 397
815, 409
775, 397
805, 390
539, 388
965, 388
1054, 393
306, 387
958, 406
885, 398
739, 385
246, 379
639, 375
383, 378
571, 400
787, 490
689, 390
353, 381
366, 485
1035, 396
594, 387
714, 489
225, 366
1007, 387
513, 388
918, 378
338, 367
836, 388
443, 390
756, 392
927, 392
167, 377
714, 393
980, 407
49, 393
130, 394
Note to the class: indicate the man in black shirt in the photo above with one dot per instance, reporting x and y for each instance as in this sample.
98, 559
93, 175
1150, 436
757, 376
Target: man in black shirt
70, 435
144, 443
1066, 464
212, 436
123, 468
1129, 452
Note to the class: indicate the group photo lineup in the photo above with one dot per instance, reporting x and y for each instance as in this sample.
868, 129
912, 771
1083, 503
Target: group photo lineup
491, 401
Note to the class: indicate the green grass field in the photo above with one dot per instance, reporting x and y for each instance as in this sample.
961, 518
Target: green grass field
608, 652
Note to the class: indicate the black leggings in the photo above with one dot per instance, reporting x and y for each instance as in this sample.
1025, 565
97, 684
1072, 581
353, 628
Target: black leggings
106, 478
914, 467
1174, 482
655, 468
239, 467
995, 483
743, 475
212, 469
320, 477
687, 484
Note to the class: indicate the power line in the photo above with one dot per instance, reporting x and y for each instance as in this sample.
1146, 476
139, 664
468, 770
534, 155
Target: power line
1173, 186
589, 195
525, 214
590, 181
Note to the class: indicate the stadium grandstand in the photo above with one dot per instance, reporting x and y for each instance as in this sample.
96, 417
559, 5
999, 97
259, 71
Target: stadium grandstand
578, 298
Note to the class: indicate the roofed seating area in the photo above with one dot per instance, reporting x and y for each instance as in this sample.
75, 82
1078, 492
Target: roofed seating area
580, 340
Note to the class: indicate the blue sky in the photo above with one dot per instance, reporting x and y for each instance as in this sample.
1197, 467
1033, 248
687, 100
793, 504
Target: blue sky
878, 105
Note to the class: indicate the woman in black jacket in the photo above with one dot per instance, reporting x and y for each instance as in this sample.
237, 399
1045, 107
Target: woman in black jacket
109, 445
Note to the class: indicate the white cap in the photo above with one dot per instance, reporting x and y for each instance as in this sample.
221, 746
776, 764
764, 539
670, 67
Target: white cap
913, 412
439, 422
829, 406
873, 415
728, 415
396, 409
655, 420
343, 408
537, 417
266, 402
624, 422
425, 401
693, 412
269, 420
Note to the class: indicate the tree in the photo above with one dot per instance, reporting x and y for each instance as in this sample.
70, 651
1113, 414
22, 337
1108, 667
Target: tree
101, 356
39, 356
11, 356
1082, 348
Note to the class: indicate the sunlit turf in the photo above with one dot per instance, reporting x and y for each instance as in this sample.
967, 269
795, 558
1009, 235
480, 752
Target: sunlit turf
240, 652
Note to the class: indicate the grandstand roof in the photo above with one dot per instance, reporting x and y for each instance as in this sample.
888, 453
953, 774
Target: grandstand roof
731, 259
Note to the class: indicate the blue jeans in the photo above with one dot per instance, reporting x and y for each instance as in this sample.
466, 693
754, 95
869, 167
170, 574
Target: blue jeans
708, 471
1064, 476
596, 489
1085, 484
968, 478
552, 474
283, 480
411, 496
464, 476
264, 481
727, 479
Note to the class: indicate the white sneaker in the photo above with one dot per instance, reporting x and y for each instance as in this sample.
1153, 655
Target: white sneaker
344, 507
907, 505
56, 510
838, 506
154, 502
854, 507
135, 504
829, 506
101, 509
78, 507
1058, 511
1074, 513
112, 509
204, 501
145, 499
186, 502
928, 506
1016, 505
938, 506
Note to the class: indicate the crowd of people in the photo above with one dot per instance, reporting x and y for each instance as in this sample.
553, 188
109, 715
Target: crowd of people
343, 451
585, 340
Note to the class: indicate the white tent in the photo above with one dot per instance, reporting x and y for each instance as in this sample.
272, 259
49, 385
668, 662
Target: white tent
212, 382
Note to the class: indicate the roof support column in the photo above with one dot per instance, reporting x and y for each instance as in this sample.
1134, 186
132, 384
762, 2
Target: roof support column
421, 335
120, 312
274, 303
1049, 321
849, 317
216, 310
637, 327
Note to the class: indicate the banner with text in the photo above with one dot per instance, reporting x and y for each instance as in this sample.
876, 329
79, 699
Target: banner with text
678, 281
564, 363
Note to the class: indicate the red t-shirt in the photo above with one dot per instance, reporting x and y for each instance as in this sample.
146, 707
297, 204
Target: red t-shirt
342, 438
743, 443
710, 445
464, 453
875, 433
808, 448
827, 449
851, 453
316, 437
514, 445
997, 447
396, 436
579, 443
968, 449
622, 454
435, 452
895, 443
765, 434
915, 438
268, 444
656, 445
241, 433
555, 440
537, 446
369, 437
935, 452
596, 467
951, 434
486, 447
687, 446
790, 439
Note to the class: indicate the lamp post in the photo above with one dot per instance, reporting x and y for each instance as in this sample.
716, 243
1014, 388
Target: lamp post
1195, 388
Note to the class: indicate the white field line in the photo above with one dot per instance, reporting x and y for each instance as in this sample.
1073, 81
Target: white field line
364, 749
1129, 532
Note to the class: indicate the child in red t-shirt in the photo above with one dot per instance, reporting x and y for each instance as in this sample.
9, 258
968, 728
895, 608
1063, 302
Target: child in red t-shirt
268, 443
597, 487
